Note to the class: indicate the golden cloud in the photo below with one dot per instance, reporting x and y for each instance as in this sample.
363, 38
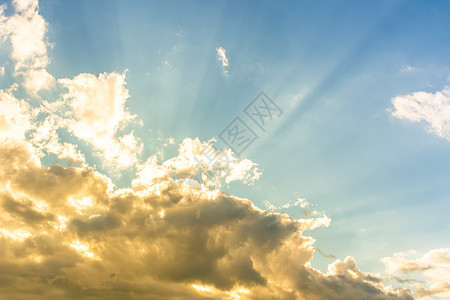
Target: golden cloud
66, 233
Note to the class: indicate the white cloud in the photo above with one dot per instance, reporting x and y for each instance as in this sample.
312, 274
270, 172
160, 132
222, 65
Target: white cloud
2, 71
408, 69
18, 121
197, 158
221, 55
45, 138
433, 265
36, 80
26, 30
26, 6
15, 117
316, 219
93, 109
431, 108
97, 112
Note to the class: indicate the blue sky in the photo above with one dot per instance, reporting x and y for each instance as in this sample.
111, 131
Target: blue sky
333, 67
338, 146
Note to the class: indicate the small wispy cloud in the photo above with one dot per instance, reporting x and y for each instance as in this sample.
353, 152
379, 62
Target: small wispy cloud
221, 55
408, 69
221, 52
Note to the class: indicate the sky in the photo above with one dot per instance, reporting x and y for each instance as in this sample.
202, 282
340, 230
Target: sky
224, 149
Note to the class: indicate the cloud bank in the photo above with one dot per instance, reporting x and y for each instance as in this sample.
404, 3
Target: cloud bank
67, 233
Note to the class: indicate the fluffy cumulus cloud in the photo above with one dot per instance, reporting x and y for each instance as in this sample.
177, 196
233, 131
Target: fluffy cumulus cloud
434, 266
201, 159
96, 111
66, 232
15, 116
433, 109
26, 30
92, 108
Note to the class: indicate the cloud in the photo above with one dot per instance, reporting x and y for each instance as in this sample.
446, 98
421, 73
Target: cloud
20, 121
15, 117
66, 233
315, 220
92, 110
430, 108
36, 80
96, 112
197, 159
26, 30
408, 69
221, 55
433, 265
